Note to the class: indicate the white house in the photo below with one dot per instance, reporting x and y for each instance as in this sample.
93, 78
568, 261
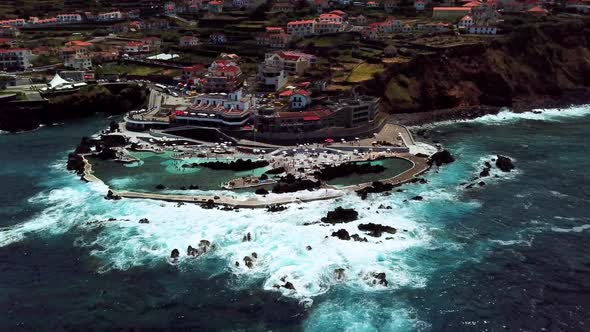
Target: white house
15, 58
482, 30
110, 16
81, 62
466, 22
301, 28
299, 99
69, 18
419, 5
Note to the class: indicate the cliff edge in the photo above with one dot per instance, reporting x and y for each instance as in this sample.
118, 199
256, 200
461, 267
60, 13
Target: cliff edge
532, 62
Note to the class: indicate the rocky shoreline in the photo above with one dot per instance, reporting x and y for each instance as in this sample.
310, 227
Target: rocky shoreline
570, 98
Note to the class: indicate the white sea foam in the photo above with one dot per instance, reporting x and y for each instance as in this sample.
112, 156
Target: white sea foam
279, 239
507, 116
576, 229
496, 174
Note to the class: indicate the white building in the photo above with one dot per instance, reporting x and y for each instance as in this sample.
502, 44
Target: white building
466, 22
110, 16
226, 110
482, 30
83, 62
300, 99
69, 18
301, 28
271, 75
419, 5
15, 59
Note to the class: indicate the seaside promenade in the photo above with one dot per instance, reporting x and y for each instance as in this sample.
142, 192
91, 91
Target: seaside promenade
252, 202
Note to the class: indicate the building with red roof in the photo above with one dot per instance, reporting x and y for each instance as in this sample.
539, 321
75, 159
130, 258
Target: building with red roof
292, 62
301, 28
300, 99
538, 11
223, 76
450, 13
79, 43
215, 7
419, 5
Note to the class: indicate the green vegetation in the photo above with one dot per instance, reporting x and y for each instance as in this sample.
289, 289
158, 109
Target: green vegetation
19, 95
364, 72
97, 98
122, 70
45, 60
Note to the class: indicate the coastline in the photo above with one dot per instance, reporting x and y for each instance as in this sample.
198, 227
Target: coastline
570, 98
419, 166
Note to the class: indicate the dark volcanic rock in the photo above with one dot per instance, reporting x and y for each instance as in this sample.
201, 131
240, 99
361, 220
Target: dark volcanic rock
160, 187
346, 169
247, 237
275, 208
441, 157
358, 238
342, 234
340, 215
203, 247
289, 285
380, 278
485, 172
209, 204
238, 165
111, 195
75, 163
417, 198
249, 262
275, 171
107, 153
175, 253
289, 184
376, 230
375, 187
504, 164
144, 221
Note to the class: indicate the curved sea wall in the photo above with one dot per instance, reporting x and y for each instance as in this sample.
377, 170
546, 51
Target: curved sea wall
532, 64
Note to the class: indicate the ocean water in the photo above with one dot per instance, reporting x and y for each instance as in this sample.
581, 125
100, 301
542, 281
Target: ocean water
511, 255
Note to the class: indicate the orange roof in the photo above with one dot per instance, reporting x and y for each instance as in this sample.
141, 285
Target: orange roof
537, 9
78, 43
457, 9
301, 22
472, 4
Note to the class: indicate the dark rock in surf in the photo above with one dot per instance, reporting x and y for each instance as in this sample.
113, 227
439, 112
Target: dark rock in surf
175, 253
342, 234
504, 163
376, 230
441, 157
340, 215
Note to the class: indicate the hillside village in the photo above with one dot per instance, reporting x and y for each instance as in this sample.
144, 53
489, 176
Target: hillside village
268, 67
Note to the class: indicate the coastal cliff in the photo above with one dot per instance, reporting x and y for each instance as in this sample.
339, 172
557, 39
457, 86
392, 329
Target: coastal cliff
28, 115
532, 64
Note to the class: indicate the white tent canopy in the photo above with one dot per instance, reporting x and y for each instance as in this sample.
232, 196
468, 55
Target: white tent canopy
57, 81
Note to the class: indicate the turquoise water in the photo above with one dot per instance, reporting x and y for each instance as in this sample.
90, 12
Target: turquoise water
153, 169
393, 167
511, 255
